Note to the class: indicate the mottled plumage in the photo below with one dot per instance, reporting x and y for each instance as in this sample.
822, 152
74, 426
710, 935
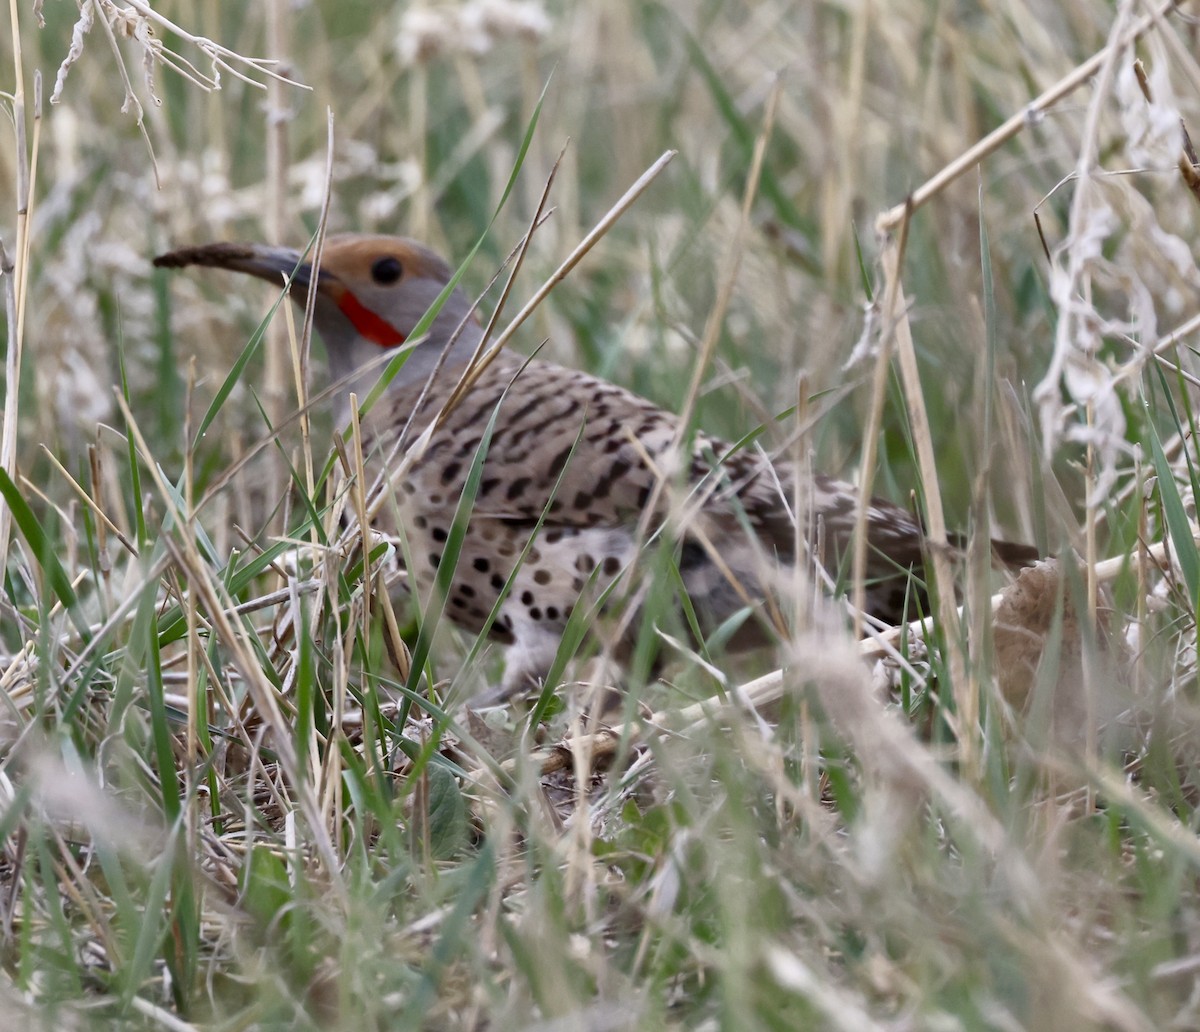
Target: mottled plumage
604, 447
604, 450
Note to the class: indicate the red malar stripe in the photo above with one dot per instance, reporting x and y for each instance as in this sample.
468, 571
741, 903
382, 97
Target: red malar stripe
378, 331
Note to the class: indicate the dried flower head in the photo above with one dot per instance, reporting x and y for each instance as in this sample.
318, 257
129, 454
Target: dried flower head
474, 28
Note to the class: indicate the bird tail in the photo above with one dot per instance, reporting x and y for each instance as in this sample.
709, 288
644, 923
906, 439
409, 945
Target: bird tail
1008, 554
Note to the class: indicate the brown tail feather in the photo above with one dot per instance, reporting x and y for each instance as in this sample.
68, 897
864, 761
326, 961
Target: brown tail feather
1009, 553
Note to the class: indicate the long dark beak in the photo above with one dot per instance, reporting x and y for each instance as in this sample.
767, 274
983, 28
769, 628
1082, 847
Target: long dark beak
274, 264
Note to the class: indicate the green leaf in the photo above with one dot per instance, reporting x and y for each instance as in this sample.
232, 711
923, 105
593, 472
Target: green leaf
454, 927
135, 478
1183, 544
235, 372
267, 890
44, 551
447, 814
145, 629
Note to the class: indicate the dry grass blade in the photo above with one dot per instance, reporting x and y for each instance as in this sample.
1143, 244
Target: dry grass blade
966, 702
970, 158
732, 262
218, 806
8, 435
15, 269
580, 251
713, 324
217, 605
485, 355
766, 691
416, 450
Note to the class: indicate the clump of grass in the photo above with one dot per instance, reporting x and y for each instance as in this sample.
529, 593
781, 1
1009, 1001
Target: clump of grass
238, 787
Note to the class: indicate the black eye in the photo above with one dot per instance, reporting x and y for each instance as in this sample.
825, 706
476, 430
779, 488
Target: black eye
386, 271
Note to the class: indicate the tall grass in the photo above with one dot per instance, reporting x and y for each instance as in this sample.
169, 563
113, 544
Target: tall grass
239, 786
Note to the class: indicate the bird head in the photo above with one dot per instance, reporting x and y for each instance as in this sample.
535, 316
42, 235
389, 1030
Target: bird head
371, 291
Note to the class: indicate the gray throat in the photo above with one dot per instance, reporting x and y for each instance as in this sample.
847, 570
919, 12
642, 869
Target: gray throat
363, 362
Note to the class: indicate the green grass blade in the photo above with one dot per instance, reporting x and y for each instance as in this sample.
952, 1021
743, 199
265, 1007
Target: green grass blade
1182, 542
44, 551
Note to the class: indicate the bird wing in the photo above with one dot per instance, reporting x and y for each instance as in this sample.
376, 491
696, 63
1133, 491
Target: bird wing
588, 453
585, 453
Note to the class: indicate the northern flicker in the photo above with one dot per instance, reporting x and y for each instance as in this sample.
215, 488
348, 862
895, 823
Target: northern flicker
573, 451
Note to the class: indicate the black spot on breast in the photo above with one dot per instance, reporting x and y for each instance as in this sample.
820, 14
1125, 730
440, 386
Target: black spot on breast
499, 632
497, 582
541, 576
438, 534
526, 598
450, 471
691, 556
481, 564
582, 500
434, 559
535, 613
584, 563
611, 566
516, 488
466, 591
552, 613
420, 522
487, 485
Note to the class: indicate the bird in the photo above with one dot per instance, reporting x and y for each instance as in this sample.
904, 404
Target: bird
577, 471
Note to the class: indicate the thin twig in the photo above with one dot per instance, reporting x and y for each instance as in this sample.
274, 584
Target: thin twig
1028, 116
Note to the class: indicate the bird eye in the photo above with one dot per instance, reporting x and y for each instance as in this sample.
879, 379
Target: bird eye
386, 271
